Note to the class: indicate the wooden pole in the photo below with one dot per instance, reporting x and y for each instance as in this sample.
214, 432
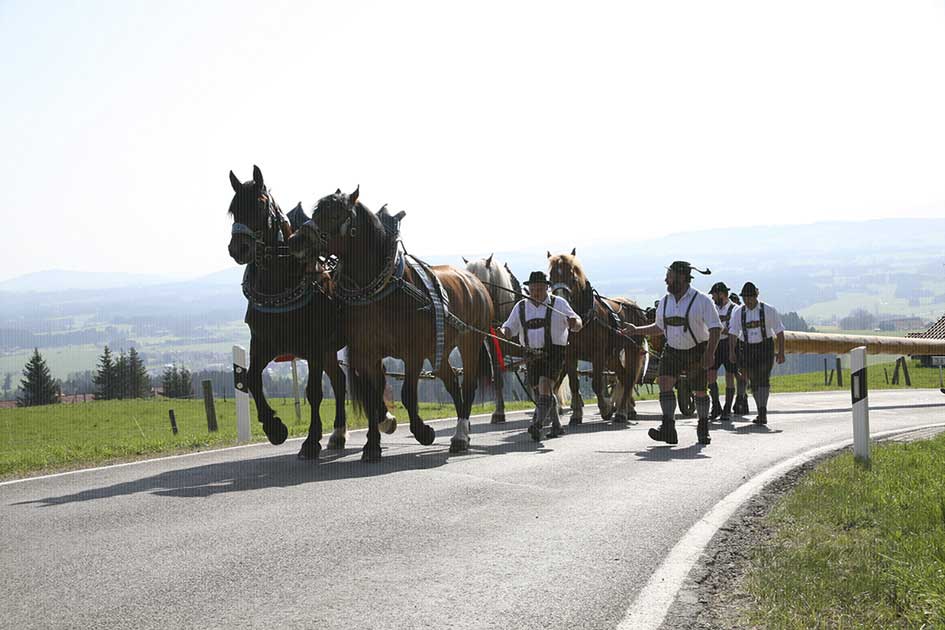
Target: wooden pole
825, 371
905, 372
896, 373
840, 373
820, 343
170, 412
209, 406
295, 391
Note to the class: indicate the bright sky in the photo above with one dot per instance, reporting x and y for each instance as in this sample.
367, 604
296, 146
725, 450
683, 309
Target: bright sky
496, 125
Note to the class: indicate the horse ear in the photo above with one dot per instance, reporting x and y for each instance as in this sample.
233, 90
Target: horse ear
257, 176
489, 260
337, 191
574, 251
235, 182
549, 254
353, 197
465, 262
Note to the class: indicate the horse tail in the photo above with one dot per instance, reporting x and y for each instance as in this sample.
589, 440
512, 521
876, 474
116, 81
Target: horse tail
364, 396
486, 377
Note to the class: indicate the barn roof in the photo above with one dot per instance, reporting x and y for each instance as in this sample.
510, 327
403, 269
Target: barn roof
935, 331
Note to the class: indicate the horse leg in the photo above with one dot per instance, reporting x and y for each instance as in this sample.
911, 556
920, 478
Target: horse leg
259, 358
423, 433
577, 401
447, 374
313, 392
499, 383
604, 405
389, 423
367, 383
339, 434
622, 391
469, 351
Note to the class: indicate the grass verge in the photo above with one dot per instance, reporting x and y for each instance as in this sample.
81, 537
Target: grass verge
856, 547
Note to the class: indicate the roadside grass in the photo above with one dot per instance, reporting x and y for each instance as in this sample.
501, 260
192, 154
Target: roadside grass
58, 437
37, 440
856, 547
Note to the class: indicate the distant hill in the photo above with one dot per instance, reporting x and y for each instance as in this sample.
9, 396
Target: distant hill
59, 280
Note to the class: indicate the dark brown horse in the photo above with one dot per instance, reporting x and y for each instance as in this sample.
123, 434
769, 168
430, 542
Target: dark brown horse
389, 314
598, 341
285, 314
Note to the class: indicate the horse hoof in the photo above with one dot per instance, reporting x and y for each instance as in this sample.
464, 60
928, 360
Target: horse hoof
632, 415
458, 446
371, 453
498, 418
575, 422
276, 431
619, 418
388, 425
425, 435
309, 450
606, 415
336, 442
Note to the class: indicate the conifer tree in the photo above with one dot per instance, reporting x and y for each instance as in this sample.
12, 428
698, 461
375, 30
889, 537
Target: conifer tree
139, 383
106, 377
37, 386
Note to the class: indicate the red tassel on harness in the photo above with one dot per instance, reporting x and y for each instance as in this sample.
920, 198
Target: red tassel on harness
498, 351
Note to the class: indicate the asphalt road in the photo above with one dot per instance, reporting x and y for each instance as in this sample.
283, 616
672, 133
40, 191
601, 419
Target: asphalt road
513, 535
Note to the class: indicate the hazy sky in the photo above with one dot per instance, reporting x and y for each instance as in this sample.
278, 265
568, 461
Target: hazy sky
495, 125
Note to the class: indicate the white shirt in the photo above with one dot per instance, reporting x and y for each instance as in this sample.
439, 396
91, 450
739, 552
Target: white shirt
772, 322
536, 336
724, 312
703, 317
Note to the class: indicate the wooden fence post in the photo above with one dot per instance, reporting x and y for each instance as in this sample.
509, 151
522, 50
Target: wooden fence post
895, 380
825, 372
905, 372
170, 412
209, 406
839, 373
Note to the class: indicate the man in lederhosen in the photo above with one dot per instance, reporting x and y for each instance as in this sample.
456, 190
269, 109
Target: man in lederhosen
724, 305
753, 328
740, 408
542, 322
691, 324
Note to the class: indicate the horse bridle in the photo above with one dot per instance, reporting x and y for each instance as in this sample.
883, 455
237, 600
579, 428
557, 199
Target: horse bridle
263, 251
322, 237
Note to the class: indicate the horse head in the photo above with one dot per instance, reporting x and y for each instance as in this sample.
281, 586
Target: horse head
257, 220
567, 276
333, 221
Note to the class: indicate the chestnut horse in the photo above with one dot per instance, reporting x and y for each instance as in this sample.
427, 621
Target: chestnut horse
389, 314
285, 314
598, 341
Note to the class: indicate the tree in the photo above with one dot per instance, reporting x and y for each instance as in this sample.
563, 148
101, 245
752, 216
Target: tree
7, 384
37, 386
121, 376
858, 319
793, 321
106, 378
139, 383
177, 382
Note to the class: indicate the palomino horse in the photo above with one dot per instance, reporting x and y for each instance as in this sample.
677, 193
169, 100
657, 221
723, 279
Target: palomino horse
598, 341
395, 309
286, 314
505, 291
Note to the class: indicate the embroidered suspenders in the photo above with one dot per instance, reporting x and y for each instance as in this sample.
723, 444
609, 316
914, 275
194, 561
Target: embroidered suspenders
536, 322
676, 320
756, 324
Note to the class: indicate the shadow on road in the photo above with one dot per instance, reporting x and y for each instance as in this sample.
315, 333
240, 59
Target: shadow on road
286, 470
668, 453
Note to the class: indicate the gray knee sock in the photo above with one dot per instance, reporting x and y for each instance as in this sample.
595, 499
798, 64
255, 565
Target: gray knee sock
555, 418
702, 407
714, 392
668, 405
762, 397
729, 395
755, 395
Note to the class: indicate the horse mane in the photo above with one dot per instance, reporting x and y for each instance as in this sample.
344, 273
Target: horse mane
580, 275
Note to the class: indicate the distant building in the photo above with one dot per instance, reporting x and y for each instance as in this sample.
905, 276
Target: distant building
902, 323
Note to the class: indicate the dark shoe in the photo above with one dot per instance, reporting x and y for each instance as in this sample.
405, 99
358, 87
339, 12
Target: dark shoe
716, 411
555, 432
666, 433
702, 432
535, 432
726, 416
762, 417
741, 406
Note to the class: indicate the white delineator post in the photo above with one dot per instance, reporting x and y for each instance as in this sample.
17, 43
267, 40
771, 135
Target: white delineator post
861, 410
242, 395
295, 390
